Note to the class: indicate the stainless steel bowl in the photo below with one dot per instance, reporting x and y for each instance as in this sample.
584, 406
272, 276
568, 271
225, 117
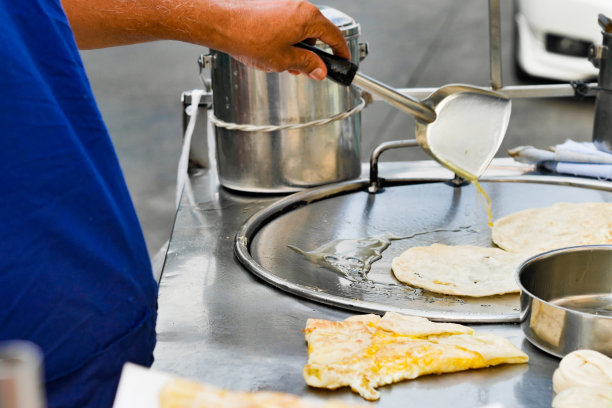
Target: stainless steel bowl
566, 299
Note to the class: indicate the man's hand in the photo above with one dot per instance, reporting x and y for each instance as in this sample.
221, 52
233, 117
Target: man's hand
259, 33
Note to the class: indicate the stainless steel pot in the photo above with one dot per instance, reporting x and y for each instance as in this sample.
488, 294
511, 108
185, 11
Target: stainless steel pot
285, 160
566, 299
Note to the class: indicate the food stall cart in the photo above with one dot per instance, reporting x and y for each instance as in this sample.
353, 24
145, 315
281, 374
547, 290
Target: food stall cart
234, 298
222, 325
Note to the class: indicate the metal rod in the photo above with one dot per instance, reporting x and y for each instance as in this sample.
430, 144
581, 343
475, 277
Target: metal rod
513, 91
401, 101
603, 108
546, 91
495, 44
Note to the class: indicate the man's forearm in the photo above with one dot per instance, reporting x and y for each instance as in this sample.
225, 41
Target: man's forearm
260, 33
106, 23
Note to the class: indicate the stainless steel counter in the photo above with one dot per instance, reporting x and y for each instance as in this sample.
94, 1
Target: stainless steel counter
220, 324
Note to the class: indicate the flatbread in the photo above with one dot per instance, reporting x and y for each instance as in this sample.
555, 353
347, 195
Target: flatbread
561, 225
367, 351
462, 270
179, 393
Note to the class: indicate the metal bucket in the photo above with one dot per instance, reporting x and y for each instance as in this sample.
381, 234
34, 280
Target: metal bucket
285, 159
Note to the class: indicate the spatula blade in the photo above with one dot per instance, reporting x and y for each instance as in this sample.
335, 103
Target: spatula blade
470, 126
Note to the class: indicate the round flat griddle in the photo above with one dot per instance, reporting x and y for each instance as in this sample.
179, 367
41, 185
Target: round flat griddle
436, 210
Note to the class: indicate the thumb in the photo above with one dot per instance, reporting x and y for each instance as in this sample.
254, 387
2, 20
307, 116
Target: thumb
308, 63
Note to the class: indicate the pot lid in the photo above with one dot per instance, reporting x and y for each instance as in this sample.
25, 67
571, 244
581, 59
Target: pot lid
345, 23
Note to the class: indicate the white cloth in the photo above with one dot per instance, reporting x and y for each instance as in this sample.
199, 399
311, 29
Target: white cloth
574, 158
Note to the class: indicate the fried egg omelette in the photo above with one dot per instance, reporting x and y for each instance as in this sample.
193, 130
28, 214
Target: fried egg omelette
179, 393
368, 351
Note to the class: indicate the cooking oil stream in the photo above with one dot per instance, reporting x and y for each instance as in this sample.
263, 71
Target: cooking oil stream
472, 178
488, 204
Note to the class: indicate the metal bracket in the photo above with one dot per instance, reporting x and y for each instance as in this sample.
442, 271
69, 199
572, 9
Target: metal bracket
376, 182
205, 61
583, 89
363, 51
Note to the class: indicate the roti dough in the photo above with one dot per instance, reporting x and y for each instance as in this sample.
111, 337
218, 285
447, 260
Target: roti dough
462, 270
583, 368
561, 225
582, 397
583, 379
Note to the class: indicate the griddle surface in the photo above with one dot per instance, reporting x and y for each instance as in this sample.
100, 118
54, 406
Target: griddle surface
438, 211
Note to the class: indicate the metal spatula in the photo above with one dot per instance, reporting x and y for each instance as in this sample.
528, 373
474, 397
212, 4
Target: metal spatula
460, 126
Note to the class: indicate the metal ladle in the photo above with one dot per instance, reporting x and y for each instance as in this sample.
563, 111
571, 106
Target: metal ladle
460, 126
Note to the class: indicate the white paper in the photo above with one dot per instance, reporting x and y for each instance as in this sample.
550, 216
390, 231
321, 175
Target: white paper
139, 387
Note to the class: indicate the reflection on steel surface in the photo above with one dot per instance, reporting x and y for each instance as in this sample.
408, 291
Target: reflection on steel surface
547, 322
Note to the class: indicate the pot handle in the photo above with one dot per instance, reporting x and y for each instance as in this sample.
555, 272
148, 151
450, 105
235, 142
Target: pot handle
339, 69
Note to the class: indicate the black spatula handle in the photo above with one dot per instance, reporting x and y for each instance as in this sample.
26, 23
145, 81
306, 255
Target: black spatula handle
339, 70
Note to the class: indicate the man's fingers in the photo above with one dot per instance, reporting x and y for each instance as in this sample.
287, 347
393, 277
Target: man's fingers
331, 35
307, 63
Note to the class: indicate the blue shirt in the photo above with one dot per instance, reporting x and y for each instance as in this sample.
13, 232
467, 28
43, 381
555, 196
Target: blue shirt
75, 276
